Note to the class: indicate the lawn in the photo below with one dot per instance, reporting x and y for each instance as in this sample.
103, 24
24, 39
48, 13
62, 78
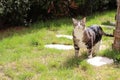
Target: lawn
24, 57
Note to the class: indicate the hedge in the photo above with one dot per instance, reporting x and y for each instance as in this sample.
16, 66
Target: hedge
24, 12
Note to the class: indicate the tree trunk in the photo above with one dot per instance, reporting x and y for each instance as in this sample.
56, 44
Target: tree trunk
116, 44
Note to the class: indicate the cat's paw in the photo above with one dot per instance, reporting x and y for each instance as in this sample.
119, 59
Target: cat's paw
90, 56
76, 56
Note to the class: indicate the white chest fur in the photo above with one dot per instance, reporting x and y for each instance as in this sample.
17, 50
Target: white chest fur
79, 36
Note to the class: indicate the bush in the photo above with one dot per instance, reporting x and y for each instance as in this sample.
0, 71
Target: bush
23, 12
88, 7
14, 12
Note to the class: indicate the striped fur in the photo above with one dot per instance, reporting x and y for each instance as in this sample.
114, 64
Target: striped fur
86, 37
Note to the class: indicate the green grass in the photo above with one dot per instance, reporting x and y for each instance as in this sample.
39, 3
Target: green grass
24, 57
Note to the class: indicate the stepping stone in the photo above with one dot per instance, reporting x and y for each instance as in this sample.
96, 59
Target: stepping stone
67, 47
108, 26
59, 46
99, 61
65, 36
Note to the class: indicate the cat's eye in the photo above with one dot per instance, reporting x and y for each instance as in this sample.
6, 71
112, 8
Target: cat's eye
75, 24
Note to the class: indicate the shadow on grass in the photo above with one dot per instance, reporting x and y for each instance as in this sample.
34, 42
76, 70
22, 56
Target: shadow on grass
109, 23
73, 61
113, 54
52, 25
9, 32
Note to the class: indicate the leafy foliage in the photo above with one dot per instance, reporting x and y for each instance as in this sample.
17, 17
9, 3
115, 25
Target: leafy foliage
23, 12
14, 12
87, 7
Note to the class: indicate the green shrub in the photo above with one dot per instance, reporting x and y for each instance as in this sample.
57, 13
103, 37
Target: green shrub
23, 12
14, 12
87, 7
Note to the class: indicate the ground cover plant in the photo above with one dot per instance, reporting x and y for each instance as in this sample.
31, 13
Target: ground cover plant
24, 57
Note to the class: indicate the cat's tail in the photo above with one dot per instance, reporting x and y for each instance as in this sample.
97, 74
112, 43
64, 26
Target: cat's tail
109, 35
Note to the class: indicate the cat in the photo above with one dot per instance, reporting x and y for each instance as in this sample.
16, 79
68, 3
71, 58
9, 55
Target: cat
86, 37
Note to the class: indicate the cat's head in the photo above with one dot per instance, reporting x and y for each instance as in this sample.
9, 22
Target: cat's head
79, 24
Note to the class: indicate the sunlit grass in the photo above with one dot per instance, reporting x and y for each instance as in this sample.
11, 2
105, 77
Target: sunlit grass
24, 57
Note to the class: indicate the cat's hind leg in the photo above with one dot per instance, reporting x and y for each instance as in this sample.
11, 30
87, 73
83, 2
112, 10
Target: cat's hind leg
96, 48
90, 53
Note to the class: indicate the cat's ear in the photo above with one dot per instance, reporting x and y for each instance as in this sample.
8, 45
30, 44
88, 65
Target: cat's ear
75, 21
83, 20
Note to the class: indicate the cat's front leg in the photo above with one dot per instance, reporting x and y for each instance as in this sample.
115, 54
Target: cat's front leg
76, 47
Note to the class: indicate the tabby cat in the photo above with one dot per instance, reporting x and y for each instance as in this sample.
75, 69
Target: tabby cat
86, 37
